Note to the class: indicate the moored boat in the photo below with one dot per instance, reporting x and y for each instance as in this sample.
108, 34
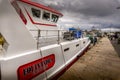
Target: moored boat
32, 45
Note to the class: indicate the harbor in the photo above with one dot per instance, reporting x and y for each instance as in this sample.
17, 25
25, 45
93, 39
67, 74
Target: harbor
100, 62
59, 40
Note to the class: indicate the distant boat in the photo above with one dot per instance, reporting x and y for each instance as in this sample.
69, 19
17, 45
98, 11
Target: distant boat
33, 47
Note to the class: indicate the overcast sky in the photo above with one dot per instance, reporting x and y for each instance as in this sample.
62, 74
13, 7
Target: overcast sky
84, 13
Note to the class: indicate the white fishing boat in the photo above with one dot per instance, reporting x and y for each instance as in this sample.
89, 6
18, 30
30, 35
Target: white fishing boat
32, 47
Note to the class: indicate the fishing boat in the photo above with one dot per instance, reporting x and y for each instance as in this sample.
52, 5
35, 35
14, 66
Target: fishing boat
32, 46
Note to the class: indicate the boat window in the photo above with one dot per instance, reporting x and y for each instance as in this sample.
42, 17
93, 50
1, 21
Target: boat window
46, 16
54, 18
36, 12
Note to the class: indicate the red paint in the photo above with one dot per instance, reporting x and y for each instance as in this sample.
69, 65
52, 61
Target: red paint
36, 22
41, 6
23, 17
30, 70
19, 11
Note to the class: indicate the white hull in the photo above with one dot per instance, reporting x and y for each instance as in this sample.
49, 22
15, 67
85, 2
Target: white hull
63, 59
23, 60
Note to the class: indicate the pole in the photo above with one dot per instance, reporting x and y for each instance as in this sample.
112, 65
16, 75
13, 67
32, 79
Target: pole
38, 38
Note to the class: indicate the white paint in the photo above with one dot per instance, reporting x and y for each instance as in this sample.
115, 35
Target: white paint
22, 47
59, 59
14, 31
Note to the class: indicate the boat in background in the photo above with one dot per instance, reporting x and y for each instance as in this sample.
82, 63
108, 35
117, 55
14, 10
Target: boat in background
32, 46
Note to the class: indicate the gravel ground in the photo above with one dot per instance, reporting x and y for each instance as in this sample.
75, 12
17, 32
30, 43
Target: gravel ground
101, 62
116, 46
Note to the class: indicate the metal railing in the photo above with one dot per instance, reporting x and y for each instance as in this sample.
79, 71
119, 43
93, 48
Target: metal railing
47, 36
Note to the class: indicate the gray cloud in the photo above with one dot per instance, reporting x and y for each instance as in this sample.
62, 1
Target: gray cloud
87, 11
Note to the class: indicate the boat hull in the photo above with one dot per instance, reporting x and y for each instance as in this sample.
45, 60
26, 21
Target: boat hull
48, 62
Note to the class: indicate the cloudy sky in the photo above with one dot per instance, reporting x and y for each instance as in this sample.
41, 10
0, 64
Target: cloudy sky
87, 13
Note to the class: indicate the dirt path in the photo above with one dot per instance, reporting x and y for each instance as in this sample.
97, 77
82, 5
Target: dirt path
100, 63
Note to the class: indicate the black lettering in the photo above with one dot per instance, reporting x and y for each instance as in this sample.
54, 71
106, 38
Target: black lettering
27, 70
47, 61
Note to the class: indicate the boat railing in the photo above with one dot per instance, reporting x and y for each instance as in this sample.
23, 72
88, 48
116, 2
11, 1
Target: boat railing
47, 37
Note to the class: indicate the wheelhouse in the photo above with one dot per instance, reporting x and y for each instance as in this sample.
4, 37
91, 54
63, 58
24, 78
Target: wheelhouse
40, 14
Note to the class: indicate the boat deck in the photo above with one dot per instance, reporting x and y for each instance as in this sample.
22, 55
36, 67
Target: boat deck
50, 41
101, 62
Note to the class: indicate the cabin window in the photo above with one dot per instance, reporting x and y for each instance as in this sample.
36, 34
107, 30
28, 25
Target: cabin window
54, 18
46, 16
36, 13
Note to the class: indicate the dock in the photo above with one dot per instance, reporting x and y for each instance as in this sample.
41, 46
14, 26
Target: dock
101, 62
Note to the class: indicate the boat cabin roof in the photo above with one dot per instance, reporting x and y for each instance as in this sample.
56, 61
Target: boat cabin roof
41, 6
